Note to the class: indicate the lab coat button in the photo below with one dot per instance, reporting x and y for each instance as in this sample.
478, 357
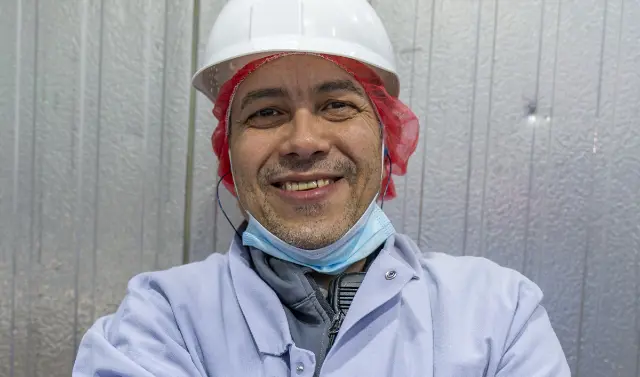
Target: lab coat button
299, 368
390, 275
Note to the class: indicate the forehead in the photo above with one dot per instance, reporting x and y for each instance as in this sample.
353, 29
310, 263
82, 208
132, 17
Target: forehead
295, 74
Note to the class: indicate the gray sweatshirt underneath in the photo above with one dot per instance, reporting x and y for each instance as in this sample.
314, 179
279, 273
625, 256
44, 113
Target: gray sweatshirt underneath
308, 312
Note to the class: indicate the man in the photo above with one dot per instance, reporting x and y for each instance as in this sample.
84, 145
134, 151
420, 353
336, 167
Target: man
317, 282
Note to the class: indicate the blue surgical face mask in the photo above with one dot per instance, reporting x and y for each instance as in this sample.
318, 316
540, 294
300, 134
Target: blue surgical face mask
371, 231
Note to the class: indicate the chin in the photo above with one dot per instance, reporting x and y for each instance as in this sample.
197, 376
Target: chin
305, 213
309, 234
313, 240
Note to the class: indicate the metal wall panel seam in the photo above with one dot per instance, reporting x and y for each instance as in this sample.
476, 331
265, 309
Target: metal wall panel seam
424, 126
16, 157
533, 112
79, 167
413, 68
488, 135
163, 107
191, 137
472, 123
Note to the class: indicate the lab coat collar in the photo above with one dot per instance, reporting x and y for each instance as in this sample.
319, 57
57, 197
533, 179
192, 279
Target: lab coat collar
395, 266
260, 305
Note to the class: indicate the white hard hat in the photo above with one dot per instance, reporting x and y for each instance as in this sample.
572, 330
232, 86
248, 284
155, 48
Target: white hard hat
250, 29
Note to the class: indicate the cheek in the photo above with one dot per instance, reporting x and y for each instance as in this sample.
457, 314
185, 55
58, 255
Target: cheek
242, 162
248, 154
364, 144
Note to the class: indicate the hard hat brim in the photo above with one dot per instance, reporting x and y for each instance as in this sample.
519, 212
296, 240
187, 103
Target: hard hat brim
222, 65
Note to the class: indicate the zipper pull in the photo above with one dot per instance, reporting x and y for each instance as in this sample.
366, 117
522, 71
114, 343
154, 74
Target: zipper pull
336, 323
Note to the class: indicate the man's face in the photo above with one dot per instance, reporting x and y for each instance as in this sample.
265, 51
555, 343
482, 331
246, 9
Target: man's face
305, 146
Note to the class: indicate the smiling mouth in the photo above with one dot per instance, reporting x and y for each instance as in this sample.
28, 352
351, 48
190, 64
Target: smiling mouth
305, 185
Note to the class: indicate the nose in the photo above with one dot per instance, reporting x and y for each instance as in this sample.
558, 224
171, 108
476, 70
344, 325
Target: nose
307, 137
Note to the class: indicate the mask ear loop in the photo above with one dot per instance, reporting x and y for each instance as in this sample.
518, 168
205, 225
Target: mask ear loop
385, 156
388, 158
220, 205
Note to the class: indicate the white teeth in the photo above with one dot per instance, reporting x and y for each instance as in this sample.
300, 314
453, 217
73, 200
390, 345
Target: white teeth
323, 182
302, 186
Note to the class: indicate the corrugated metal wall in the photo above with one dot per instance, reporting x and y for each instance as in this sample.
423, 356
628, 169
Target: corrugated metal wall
529, 155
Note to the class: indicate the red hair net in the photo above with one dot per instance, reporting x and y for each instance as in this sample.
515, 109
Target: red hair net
400, 124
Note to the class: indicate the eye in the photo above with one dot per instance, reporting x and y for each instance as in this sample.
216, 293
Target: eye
266, 118
268, 112
336, 105
339, 111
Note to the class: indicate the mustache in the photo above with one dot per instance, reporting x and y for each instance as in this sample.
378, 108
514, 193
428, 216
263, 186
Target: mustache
345, 168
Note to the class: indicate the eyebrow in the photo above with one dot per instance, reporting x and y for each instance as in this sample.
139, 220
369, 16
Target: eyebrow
325, 87
257, 94
338, 85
